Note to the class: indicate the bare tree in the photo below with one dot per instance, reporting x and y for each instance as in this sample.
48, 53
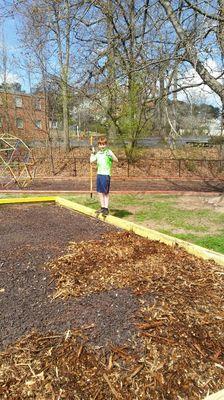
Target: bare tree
49, 30
126, 55
5, 86
193, 34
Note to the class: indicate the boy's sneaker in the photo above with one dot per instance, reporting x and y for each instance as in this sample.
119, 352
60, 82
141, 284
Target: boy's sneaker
100, 211
105, 211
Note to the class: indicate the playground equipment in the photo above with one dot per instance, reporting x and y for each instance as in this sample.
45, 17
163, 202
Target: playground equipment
17, 165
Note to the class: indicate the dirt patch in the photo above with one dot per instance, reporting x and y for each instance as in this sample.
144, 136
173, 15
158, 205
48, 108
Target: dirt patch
213, 203
208, 229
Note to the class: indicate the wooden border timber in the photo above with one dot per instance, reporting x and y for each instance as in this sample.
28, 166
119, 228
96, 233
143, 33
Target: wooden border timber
216, 396
145, 232
21, 200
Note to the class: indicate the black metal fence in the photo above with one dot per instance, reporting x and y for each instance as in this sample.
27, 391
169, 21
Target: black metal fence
156, 167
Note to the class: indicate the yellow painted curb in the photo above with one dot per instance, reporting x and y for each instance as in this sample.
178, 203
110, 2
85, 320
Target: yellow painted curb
216, 396
17, 200
146, 232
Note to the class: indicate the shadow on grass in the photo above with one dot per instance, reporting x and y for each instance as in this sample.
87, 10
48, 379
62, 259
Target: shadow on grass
120, 213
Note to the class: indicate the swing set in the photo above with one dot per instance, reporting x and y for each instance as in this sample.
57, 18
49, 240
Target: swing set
17, 164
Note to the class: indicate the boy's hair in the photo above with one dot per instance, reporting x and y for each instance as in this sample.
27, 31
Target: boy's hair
102, 140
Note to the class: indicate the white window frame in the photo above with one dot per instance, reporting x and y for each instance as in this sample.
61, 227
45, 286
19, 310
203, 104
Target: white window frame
53, 124
18, 120
38, 104
38, 124
18, 102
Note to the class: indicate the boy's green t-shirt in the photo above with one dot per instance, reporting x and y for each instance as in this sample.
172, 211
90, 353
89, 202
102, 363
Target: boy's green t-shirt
104, 162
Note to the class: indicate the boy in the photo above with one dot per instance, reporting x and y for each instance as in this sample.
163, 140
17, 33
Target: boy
104, 158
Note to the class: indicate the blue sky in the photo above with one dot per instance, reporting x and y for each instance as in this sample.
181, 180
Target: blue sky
10, 39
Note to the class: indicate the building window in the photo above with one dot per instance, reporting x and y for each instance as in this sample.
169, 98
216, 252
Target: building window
19, 101
37, 104
19, 123
53, 124
37, 124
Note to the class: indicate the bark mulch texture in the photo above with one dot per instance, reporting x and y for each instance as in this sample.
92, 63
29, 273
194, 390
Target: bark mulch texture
31, 235
121, 317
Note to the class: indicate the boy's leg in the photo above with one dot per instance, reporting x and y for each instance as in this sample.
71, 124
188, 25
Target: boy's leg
106, 200
101, 199
106, 204
100, 193
103, 187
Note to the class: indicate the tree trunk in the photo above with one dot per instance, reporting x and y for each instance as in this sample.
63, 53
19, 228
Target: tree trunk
221, 147
65, 117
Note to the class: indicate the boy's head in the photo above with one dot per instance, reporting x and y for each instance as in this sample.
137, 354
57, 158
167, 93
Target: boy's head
102, 142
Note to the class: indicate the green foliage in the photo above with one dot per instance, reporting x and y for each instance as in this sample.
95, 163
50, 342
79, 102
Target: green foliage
129, 115
132, 120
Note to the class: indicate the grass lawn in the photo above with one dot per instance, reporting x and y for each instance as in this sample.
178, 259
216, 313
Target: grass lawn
190, 218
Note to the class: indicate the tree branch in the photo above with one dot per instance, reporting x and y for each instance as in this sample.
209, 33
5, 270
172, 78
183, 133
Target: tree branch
200, 11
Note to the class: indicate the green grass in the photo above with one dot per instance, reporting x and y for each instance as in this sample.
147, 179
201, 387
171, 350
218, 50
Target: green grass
186, 219
124, 200
163, 210
215, 242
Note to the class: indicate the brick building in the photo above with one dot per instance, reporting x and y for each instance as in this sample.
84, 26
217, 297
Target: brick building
23, 115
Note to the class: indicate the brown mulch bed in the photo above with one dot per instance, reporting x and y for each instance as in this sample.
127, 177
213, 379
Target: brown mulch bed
128, 318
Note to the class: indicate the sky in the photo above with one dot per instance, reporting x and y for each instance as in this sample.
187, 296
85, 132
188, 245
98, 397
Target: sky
10, 39
201, 94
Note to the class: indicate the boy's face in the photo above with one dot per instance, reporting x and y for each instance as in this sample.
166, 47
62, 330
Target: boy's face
102, 146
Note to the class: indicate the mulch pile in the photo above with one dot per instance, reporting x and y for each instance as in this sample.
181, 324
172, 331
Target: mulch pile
176, 351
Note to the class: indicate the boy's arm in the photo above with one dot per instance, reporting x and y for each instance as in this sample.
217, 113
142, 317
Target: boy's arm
112, 155
92, 157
